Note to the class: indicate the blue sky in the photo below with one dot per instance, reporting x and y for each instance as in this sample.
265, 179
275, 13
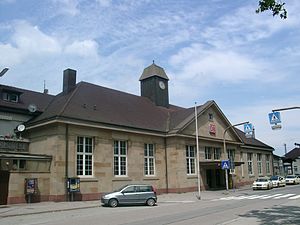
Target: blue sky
211, 50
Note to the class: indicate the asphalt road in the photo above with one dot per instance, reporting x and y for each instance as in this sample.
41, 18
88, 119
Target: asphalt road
277, 206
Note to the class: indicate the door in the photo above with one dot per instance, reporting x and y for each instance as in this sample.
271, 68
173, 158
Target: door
218, 178
4, 181
209, 178
128, 196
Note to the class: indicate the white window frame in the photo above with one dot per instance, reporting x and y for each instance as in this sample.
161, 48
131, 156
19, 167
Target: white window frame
259, 163
250, 163
268, 169
208, 151
190, 159
149, 160
118, 157
217, 153
85, 155
242, 163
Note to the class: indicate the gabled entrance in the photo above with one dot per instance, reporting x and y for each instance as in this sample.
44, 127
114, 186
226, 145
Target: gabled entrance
4, 182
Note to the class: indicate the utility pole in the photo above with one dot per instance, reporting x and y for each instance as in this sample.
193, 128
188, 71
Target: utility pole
198, 157
224, 146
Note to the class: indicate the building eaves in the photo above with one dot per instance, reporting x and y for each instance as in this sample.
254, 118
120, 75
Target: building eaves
293, 154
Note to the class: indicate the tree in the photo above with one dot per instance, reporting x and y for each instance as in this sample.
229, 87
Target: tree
277, 8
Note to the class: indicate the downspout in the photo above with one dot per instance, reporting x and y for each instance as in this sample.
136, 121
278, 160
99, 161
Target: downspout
67, 160
166, 153
166, 165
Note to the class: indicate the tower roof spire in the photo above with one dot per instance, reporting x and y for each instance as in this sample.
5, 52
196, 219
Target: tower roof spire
153, 70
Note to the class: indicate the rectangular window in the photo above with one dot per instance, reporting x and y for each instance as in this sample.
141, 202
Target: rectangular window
231, 154
208, 152
231, 157
268, 171
250, 163
242, 163
84, 156
217, 153
295, 169
149, 159
190, 160
120, 158
259, 164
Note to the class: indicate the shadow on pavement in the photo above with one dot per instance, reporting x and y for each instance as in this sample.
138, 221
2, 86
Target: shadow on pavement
276, 215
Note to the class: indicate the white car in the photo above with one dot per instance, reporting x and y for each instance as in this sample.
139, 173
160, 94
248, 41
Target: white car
292, 179
278, 181
262, 183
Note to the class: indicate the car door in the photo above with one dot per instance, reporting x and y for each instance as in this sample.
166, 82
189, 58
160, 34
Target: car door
144, 193
129, 195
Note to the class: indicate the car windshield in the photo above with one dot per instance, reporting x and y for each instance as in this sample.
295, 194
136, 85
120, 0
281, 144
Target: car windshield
291, 176
274, 178
262, 180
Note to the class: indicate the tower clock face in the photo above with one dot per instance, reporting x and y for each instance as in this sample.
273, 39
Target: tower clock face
162, 85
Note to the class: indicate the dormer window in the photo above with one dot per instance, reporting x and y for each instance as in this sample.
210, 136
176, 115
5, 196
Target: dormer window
10, 96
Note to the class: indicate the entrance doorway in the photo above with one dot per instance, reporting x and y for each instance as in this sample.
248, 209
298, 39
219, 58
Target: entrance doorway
4, 182
215, 179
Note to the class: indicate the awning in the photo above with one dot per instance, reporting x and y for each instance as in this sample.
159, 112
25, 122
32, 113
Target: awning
25, 156
217, 163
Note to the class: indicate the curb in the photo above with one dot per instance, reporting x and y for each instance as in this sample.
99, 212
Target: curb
48, 211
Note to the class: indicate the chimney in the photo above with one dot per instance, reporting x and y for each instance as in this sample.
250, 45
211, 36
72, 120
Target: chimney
69, 82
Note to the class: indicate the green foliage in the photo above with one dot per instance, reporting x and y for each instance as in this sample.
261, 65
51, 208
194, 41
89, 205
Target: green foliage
277, 8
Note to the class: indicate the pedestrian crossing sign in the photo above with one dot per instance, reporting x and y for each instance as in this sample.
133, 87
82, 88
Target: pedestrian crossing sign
225, 164
274, 117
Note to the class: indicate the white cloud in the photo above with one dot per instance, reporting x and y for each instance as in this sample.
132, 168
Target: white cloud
210, 65
29, 38
86, 48
67, 7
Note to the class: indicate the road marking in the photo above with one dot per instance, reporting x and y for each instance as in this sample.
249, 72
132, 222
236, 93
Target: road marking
284, 196
176, 201
295, 197
271, 196
250, 197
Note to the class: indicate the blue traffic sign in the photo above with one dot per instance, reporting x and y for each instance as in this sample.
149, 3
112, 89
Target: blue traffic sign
225, 164
248, 128
274, 117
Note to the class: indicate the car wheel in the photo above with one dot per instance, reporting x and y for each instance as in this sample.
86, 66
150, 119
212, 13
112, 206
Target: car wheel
150, 202
113, 203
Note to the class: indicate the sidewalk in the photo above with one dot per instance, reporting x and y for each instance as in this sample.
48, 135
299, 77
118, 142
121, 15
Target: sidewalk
43, 207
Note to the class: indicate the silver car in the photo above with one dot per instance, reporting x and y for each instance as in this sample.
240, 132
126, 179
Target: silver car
131, 194
292, 179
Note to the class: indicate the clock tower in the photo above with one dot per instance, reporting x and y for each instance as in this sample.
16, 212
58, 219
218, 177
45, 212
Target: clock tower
154, 85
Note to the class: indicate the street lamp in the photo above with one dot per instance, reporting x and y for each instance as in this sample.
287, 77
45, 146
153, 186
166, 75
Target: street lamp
198, 157
224, 146
3, 72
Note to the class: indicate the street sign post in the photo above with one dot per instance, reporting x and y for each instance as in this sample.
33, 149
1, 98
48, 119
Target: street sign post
225, 166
